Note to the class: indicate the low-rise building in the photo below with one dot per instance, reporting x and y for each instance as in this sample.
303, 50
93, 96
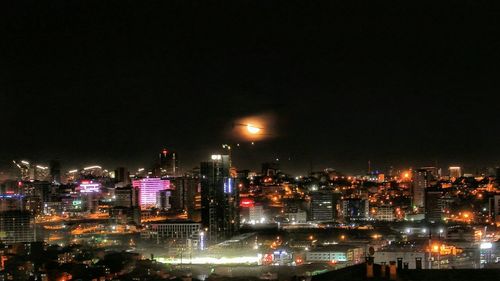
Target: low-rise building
336, 253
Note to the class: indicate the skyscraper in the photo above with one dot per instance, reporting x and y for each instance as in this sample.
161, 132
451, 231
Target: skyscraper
184, 192
168, 164
219, 199
433, 205
122, 175
418, 186
127, 197
55, 171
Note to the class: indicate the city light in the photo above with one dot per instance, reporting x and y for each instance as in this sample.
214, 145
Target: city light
92, 167
485, 245
212, 260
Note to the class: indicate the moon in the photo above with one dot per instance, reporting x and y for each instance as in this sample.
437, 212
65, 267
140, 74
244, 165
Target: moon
252, 129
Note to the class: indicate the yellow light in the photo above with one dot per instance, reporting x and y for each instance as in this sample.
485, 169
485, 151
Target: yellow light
435, 248
252, 129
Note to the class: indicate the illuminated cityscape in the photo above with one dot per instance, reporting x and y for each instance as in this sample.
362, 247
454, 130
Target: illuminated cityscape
249, 140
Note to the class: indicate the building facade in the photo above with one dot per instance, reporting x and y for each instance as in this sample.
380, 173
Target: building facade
219, 199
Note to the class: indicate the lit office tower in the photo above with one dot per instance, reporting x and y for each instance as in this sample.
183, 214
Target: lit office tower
418, 186
55, 171
16, 227
148, 188
168, 164
219, 199
455, 172
323, 206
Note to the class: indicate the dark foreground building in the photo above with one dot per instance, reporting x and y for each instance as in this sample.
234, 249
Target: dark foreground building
362, 272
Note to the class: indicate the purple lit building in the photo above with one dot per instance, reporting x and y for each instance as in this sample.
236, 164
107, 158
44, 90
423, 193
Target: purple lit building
148, 189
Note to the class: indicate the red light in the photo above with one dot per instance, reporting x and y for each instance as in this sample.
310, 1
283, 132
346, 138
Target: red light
85, 182
19, 183
247, 203
165, 152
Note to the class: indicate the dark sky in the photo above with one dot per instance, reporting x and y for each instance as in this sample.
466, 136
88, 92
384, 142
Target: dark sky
112, 82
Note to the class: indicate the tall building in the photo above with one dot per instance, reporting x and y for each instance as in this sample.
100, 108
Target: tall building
126, 197
163, 198
495, 208
433, 205
418, 186
323, 206
184, 192
55, 171
16, 227
148, 188
455, 172
168, 164
355, 209
41, 173
122, 175
219, 199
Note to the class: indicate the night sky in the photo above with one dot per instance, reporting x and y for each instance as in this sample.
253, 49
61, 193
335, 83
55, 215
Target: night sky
112, 82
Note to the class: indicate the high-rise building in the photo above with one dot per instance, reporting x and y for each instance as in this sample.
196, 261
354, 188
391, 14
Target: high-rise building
16, 227
168, 164
122, 176
433, 204
55, 171
24, 169
495, 208
219, 196
184, 191
148, 188
163, 199
323, 206
455, 172
355, 209
126, 197
419, 184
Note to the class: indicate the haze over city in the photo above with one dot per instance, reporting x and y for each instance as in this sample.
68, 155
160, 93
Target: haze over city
249, 140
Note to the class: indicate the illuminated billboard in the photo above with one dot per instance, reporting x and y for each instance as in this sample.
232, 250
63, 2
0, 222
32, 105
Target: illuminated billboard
89, 187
